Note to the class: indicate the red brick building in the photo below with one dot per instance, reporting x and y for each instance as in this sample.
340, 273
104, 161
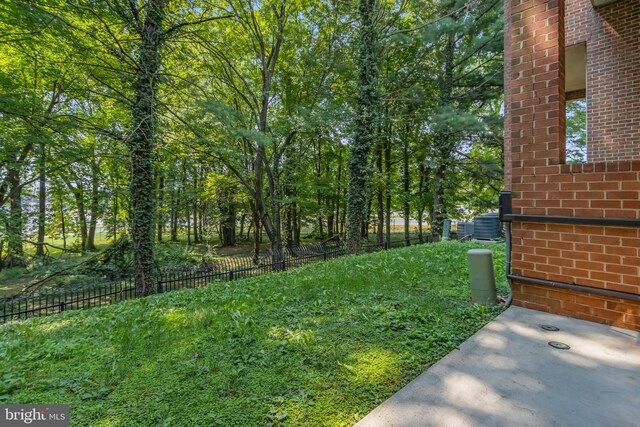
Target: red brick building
575, 227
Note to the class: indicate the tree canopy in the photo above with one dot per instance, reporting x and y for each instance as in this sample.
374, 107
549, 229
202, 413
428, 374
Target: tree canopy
224, 119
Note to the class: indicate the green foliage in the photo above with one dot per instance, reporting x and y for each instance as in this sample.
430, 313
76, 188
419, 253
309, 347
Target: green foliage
157, 119
319, 346
577, 131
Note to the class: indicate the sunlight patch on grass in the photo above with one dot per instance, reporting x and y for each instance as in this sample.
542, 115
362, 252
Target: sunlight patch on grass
373, 365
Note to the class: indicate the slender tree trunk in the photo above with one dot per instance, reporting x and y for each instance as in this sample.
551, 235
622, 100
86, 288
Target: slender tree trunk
78, 195
195, 207
387, 187
160, 224
367, 220
256, 231
196, 225
243, 218
406, 183
115, 206
227, 209
42, 200
142, 145
297, 225
339, 193
445, 145
63, 224
439, 212
201, 222
288, 226
421, 189
379, 197
15, 251
318, 165
95, 205
188, 215
173, 212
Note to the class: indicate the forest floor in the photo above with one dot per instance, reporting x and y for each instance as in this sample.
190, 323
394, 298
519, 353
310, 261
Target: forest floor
318, 346
67, 267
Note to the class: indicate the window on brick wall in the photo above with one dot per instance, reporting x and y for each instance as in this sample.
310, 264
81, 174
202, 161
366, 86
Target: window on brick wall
575, 90
577, 131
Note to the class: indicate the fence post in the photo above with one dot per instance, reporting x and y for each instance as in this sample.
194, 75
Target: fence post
284, 263
62, 306
385, 246
325, 254
230, 275
160, 290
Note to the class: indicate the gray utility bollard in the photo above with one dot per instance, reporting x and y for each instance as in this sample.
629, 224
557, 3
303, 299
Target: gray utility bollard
483, 281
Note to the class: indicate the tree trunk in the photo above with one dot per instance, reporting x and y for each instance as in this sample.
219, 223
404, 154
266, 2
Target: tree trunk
15, 251
62, 223
160, 224
339, 193
42, 200
367, 220
95, 205
387, 187
365, 123
288, 225
297, 225
78, 195
173, 212
196, 239
142, 145
196, 225
445, 146
421, 197
405, 189
188, 215
439, 212
243, 218
379, 197
256, 231
227, 209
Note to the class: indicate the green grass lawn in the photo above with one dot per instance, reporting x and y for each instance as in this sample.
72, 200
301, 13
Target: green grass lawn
318, 346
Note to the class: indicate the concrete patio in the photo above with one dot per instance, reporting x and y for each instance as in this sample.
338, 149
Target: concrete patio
508, 375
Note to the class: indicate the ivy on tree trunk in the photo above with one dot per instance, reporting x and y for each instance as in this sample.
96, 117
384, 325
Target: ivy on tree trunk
365, 123
141, 147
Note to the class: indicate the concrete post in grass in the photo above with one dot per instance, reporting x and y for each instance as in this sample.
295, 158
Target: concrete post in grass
482, 278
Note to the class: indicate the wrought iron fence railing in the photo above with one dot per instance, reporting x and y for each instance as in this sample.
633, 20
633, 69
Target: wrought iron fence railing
21, 307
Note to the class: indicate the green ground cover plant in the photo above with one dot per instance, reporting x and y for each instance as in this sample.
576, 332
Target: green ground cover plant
317, 346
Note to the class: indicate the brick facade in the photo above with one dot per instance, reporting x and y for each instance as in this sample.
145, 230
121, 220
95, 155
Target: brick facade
596, 257
611, 34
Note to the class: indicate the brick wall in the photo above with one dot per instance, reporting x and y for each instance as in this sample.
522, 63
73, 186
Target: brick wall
611, 34
600, 257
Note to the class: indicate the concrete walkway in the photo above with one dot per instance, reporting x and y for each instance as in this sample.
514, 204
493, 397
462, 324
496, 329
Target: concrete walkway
508, 375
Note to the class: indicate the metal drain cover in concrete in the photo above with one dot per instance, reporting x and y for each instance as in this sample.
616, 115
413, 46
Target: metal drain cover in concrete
550, 328
559, 345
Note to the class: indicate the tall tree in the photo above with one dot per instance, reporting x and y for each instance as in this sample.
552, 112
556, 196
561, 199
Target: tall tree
366, 122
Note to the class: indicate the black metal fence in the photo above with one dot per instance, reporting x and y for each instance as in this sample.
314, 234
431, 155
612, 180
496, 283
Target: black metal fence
21, 307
